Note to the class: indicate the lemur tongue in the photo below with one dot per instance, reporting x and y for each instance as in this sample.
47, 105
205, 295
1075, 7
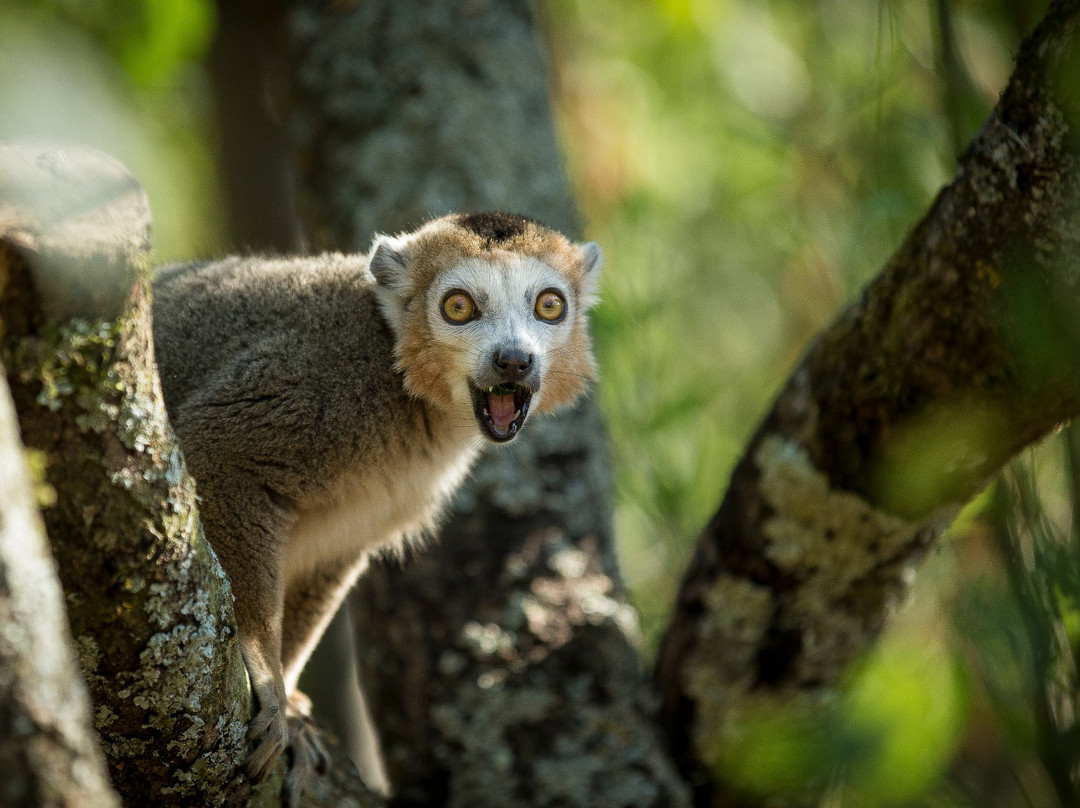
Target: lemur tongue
501, 409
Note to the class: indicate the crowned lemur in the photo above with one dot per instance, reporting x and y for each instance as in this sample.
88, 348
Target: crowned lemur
328, 406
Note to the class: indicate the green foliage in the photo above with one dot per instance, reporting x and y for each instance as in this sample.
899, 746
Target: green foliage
935, 452
152, 40
123, 76
747, 166
886, 742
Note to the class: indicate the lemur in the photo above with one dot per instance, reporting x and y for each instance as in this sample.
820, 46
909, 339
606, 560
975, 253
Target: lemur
328, 407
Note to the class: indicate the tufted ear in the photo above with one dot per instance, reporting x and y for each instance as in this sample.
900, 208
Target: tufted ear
388, 263
390, 266
592, 257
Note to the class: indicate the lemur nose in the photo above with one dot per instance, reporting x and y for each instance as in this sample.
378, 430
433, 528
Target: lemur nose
512, 364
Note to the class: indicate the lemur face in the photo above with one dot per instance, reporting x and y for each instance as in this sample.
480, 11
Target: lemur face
489, 327
505, 324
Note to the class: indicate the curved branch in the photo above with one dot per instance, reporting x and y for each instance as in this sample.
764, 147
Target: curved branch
962, 351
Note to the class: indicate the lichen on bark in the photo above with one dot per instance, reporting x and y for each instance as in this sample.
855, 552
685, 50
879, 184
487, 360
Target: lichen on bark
48, 753
149, 606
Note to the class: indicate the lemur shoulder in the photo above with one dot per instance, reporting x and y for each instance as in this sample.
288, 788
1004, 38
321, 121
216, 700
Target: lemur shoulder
328, 406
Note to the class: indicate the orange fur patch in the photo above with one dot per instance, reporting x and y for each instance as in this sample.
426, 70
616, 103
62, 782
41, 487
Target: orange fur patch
442, 243
424, 363
570, 369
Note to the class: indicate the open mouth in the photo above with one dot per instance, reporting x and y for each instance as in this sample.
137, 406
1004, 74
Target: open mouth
501, 410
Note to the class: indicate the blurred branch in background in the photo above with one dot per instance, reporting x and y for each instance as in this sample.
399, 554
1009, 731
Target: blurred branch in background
1043, 565
1072, 466
961, 352
123, 77
247, 75
965, 107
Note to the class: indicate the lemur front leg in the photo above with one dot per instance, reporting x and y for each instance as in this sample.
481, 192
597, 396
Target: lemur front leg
310, 604
248, 530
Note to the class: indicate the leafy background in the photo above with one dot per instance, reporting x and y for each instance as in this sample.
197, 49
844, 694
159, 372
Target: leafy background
747, 166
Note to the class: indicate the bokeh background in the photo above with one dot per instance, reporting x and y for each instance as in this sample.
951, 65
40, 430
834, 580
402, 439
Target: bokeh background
747, 166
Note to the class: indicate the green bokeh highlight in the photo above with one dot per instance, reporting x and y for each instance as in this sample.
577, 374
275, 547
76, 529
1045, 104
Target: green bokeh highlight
124, 77
885, 742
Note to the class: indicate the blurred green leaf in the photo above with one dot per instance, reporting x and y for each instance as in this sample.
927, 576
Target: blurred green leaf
151, 39
885, 742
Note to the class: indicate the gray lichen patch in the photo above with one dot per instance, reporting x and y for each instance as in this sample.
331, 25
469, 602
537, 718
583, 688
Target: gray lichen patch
83, 362
1002, 155
47, 747
738, 614
605, 760
523, 717
837, 548
832, 537
831, 549
188, 685
72, 361
550, 609
147, 596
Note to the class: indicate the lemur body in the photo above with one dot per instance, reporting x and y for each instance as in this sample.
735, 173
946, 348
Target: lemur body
329, 406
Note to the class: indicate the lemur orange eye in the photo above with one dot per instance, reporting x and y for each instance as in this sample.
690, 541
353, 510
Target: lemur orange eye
550, 306
458, 307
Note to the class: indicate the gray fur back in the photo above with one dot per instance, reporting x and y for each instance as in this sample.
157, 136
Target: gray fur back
283, 366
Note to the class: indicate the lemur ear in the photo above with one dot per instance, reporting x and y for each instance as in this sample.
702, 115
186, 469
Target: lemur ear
388, 263
592, 257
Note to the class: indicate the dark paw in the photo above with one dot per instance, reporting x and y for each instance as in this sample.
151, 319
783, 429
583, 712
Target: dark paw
269, 732
306, 751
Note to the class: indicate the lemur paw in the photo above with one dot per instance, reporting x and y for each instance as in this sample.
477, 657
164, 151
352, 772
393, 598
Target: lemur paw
306, 751
269, 731
275, 730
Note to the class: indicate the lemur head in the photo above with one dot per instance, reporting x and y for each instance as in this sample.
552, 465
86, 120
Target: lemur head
488, 312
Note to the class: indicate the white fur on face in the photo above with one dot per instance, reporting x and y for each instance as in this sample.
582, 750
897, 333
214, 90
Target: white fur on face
505, 293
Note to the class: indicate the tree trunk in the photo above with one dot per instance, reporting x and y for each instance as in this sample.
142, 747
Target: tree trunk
148, 603
499, 662
963, 350
49, 754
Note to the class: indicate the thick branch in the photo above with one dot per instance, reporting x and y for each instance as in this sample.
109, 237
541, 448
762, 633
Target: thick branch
49, 754
149, 606
962, 351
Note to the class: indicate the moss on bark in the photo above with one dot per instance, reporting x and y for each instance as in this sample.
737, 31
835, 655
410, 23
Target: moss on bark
149, 607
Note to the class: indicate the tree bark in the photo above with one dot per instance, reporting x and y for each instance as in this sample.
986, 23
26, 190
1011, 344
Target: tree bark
499, 663
49, 754
253, 162
148, 603
962, 351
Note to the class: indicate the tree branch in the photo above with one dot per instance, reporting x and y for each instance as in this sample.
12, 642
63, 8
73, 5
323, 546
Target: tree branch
49, 755
148, 603
962, 351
